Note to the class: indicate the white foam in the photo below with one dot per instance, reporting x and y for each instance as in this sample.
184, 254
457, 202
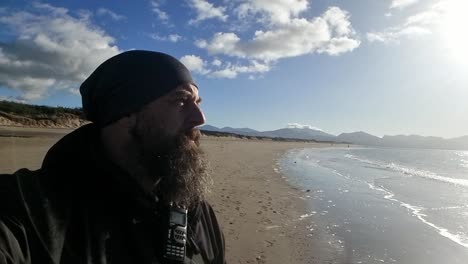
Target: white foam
461, 153
350, 156
448, 208
427, 175
463, 241
339, 174
388, 195
304, 216
413, 172
416, 211
464, 163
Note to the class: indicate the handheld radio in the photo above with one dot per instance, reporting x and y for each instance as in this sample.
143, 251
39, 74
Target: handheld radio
175, 246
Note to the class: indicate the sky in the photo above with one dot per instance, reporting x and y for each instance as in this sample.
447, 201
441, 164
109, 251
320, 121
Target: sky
386, 67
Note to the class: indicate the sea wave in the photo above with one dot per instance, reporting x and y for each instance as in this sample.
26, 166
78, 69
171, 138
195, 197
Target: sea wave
411, 171
427, 175
417, 211
350, 156
462, 153
464, 163
464, 158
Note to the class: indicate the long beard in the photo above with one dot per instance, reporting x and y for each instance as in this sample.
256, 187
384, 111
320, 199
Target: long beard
179, 169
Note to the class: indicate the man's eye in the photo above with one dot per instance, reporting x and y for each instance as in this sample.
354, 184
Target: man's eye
181, 102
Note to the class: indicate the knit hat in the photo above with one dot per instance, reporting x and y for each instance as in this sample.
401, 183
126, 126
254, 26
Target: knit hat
128, 81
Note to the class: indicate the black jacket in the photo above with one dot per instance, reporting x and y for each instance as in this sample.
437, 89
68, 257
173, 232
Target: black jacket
79, 208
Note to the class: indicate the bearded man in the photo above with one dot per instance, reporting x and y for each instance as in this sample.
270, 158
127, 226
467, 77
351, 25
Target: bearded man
128, 187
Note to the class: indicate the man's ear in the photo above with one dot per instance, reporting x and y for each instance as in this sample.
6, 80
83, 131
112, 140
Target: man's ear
130, 121
124, 124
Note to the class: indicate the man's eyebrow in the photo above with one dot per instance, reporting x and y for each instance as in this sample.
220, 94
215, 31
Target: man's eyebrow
181, 93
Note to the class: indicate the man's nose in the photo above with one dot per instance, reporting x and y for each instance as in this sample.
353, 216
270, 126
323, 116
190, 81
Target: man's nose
197, 118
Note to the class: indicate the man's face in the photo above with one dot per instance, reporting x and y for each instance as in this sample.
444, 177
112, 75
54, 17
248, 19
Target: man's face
168, 144
170, 115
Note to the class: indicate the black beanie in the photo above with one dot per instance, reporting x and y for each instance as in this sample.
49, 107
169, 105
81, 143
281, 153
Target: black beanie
128, 81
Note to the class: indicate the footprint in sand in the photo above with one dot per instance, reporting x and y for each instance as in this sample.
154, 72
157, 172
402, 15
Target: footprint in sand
269, 243
260, 259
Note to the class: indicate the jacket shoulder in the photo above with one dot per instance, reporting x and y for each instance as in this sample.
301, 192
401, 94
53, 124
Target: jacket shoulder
13, 238
208, 234
10, 190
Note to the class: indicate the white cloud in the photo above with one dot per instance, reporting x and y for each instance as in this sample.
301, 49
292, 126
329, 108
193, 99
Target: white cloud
425, 18
231, 71
272, 11
163, 16
297, 125
197, 65
51, 9
111, 14
50, 50
194, 63
172, 37
216, 62
401, 4
419, 24
330, 33
393, 35
225, 73
84, 14
206, 10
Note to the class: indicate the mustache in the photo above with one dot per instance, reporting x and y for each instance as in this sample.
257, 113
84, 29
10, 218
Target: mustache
193, 134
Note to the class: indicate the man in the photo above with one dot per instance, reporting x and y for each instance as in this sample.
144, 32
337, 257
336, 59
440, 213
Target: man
119, 190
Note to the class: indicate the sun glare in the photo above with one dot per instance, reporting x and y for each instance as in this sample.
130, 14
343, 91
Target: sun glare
454, 29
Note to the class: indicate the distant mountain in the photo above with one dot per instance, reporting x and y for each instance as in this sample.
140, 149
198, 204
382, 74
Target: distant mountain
413, 141
210, 128
239, 131
360, 138
293, 133
300, 133
459, 141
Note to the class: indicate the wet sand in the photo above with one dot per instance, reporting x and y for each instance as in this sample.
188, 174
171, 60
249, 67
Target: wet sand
259, 211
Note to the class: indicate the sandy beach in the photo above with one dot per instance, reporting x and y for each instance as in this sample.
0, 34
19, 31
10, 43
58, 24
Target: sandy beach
259, 212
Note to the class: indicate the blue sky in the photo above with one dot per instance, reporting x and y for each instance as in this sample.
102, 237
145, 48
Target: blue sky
386, 67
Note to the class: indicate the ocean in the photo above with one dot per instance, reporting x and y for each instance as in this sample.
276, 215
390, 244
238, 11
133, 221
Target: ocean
385, 205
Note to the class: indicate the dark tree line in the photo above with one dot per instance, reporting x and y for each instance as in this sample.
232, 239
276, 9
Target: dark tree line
37, 110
